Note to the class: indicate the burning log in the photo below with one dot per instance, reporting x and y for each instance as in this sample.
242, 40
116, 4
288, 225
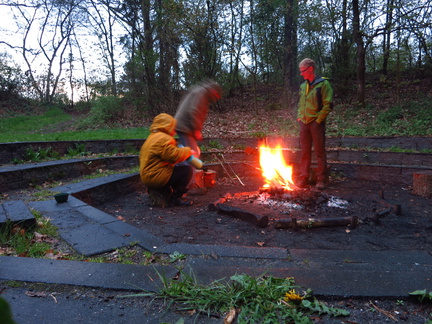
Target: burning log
220, 207
316, 222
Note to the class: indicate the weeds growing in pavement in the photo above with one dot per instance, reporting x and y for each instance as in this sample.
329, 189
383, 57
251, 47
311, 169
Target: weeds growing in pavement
264, 299
422, 295
29, 242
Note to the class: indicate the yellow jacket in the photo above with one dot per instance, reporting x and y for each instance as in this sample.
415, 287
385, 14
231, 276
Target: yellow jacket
160, 153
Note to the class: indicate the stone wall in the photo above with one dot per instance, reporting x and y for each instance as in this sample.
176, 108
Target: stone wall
16, 151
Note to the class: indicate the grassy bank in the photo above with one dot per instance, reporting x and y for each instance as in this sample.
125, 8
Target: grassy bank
51, 126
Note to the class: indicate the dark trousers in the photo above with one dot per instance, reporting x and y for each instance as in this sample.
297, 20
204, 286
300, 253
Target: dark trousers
180, 178
189, 140
312, 134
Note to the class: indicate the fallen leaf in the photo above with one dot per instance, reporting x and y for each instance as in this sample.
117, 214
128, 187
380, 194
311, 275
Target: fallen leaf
230, 316
39, 237
261, 243
36, 293
15, 229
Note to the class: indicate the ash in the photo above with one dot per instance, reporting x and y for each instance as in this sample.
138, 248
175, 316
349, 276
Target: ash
296, 200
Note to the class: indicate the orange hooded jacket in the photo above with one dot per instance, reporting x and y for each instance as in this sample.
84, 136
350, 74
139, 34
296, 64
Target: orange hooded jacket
160, 153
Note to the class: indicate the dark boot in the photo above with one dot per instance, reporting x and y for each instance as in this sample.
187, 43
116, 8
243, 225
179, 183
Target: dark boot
160, 197
177, 199
302, 183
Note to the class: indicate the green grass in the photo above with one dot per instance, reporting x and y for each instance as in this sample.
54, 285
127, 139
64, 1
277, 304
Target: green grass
98, 134
28, 242
33, 123
410, 119
263, 299
37, 129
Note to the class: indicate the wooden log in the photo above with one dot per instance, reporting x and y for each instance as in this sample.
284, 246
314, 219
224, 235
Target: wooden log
316, 222
422, 183
213, 206
396, 208
261, 221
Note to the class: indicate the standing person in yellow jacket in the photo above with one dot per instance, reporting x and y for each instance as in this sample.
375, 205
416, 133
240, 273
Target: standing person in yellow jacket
159, 156
316, 102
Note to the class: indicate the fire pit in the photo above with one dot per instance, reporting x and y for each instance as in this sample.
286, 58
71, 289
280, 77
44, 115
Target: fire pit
292, 206
348, 214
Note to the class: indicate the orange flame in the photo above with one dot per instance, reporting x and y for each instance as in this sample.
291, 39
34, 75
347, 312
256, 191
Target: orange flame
275, 171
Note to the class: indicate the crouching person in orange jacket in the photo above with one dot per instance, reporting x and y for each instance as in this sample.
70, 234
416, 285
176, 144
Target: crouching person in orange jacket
159, 155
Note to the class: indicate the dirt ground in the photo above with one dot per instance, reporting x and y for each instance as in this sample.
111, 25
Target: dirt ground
388, 217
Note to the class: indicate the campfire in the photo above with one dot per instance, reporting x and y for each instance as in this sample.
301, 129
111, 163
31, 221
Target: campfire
285, 205
276, 172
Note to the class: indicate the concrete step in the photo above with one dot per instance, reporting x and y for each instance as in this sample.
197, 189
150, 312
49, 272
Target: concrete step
16, 212
369, 165
21, 176
16, 151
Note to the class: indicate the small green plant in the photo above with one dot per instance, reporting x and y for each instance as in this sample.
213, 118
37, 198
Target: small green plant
125, 255
265, 299
78, 150
400, 302
43, 195
44, 226
422, 295
176, 256
40, 154
214, 144
14, 283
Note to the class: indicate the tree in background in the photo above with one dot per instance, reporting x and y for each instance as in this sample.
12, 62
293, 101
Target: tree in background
168, 45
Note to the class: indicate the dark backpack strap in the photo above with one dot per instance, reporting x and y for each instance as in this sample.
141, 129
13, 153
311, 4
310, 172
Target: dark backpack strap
318, 93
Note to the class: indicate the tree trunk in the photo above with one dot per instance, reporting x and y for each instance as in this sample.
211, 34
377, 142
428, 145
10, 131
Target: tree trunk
387, 36
290, 59
148, 56
361, 55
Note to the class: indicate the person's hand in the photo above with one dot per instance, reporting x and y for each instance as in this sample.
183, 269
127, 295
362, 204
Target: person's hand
198, 136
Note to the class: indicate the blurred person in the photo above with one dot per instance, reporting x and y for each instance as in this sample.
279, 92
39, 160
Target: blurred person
315, 103
192, 113
159, 159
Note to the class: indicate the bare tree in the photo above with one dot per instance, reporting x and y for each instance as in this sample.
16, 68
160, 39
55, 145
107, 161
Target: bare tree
55, 24
103, 22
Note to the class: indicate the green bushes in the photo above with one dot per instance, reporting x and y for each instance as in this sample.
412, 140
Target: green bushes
104, 110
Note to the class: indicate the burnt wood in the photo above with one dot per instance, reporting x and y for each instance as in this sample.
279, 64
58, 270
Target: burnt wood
316, 222
261, 221
387, 207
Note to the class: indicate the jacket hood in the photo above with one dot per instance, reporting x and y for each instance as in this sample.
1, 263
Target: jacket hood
163, 123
